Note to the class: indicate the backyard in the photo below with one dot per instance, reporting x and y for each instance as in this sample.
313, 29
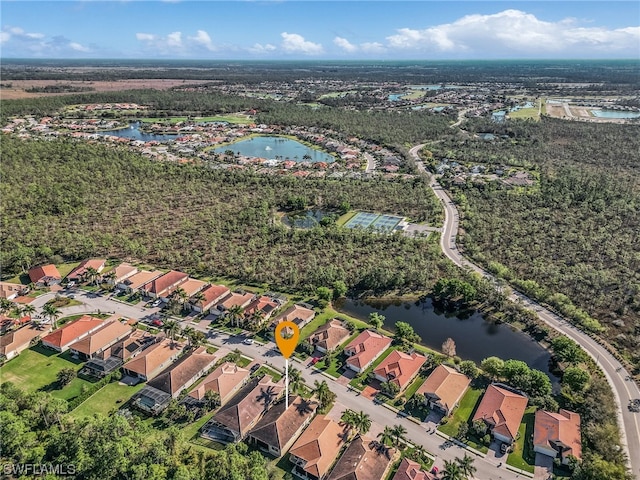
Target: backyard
523, 456
461, 415
108, 398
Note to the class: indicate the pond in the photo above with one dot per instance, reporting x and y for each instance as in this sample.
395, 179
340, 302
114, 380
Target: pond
135, 133
615, 114
475, 337
276, 148
308, 219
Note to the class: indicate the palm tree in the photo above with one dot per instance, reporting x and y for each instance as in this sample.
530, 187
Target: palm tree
234, 314
110, 276
386, 436
197, 298
181, 296
92, 274
399, 433
211, 400
324, 395
28, 310
188, 332
197, 338
295, 379
452, 471
52, 313
5, 305
361, 422
349, 419
171, 327
466, 465
255, 320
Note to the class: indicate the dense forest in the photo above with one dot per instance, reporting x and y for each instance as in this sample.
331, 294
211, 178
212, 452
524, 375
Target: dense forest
575, 237
612, 72
71, 200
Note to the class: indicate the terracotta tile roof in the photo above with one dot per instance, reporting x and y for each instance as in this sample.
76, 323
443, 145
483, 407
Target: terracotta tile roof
319, 445
330, 335
502, 410
296, 314
212, 295
174, 379
223, 380
400, 367
192, 286
558, 431
124, 271
141, 278
236, 299
105, 336
362, 460
264, 304
96, 263
366, 347
278, 426
17, 338
249, 404
410, 470
163, 283
446, 385
154, 357
72, 331
9, 289
37, 274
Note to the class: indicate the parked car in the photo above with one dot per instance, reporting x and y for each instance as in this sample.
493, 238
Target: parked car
156, 303
157, 322
254, 367
248, 341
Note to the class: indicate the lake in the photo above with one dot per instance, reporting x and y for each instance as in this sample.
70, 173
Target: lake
276, 148
615, 114
135, 133
475, 337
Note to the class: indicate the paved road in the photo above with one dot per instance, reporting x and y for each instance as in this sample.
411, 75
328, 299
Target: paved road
616, 375
487, 468
371, 163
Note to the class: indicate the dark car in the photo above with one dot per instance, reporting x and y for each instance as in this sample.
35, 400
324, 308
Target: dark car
254, 367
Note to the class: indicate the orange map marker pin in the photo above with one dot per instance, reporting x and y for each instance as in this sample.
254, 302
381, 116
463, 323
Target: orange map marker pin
287, 339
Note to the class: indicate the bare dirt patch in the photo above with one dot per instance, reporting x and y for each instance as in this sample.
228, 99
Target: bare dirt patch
18, 87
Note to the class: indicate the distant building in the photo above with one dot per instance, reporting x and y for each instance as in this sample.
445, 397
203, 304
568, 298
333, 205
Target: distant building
329, 336
45, 275
444, 387
16, 341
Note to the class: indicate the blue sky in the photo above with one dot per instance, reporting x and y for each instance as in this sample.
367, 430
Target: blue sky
417, 30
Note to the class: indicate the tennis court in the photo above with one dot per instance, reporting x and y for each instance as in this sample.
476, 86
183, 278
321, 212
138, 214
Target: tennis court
386, 223
362, 220
382, 223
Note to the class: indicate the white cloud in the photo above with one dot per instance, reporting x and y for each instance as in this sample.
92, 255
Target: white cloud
4, 37
78, 47
145, 37
344, 44
174, 40
373, 47
294, 43
262, 49
514, 31
203, 39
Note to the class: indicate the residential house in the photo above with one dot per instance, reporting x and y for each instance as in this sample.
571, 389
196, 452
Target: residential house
112, 358
410, 470
235, 300
502, 411
558, 434
18, 340
212, 295
363, 350
153, 360
329, 336
399, 368
45, 275
138, 280
155, 397
233, 421
122, 272
163, 286
280, 427
261, 307
98, 343
62, 338
192, 286
298, 314
316, 450
364, 459
12, 290
226, 380
79, 273
444, 388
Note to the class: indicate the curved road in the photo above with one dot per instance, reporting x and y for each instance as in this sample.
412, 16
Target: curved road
619, 379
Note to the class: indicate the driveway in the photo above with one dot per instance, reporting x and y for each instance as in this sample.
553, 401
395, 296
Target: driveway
544, 467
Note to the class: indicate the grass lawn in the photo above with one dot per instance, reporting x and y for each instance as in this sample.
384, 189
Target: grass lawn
523, 456
65, 268
36, 368
463, 412
269, 371
525, 113
218, 118
345, 218
108, 398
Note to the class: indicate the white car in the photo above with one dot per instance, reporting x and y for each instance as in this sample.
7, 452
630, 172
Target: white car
248, 341
156, 303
